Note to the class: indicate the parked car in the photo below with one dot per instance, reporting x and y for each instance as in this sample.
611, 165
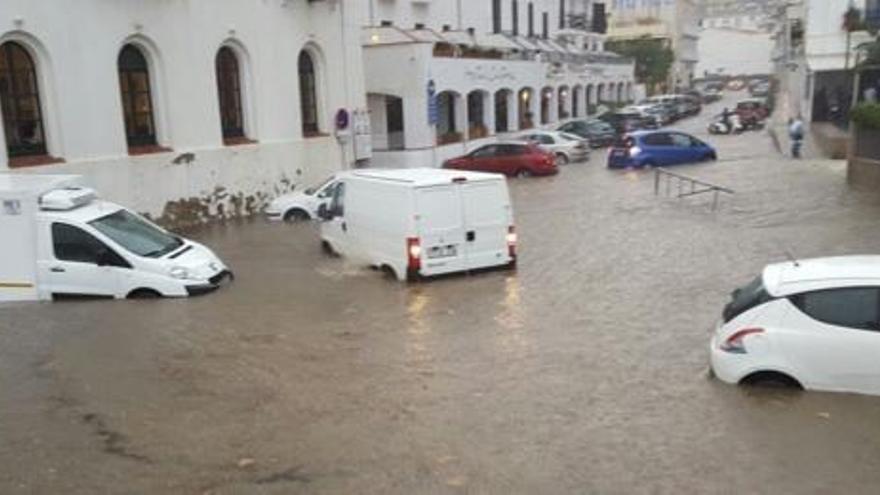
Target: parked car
600, 134
810, 323
648, 112
712, 95
624, 122
303, 205
675, 105
566, 147
752, 110
519, 159
658, 149
421, 222
736, 84
692, 104
761, 89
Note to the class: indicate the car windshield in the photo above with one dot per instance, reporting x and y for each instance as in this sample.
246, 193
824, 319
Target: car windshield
745, 298
136, 234
312, 190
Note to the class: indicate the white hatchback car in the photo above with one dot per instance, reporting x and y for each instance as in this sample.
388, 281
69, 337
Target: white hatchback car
812, 323
299, 206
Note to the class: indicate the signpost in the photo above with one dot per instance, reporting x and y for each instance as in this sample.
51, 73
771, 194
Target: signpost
433, 118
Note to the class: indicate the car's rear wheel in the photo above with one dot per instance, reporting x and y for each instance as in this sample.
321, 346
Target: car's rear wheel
771, 379
710, 156
649, 164
296, 215
143, 294
523, 173
561, 159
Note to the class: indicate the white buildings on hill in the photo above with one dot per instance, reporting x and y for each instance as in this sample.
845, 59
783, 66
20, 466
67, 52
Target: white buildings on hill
494, 66
194, 109
674, 22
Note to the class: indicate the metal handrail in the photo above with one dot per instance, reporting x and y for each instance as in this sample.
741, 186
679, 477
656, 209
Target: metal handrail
682, 181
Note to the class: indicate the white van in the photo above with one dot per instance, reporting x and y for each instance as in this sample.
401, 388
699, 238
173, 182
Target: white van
58, 239
421, 222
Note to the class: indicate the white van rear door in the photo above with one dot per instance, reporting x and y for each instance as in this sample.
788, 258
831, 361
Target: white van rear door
441, 229
487, 218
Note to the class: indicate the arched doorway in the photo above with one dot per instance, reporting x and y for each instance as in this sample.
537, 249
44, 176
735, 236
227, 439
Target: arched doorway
526, 102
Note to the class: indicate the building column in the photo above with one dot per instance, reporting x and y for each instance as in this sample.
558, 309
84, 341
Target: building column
489, 113
513, 111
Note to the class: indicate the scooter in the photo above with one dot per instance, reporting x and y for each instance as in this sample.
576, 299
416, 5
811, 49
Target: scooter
733, 126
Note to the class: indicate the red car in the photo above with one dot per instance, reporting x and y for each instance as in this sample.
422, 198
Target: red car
513, 159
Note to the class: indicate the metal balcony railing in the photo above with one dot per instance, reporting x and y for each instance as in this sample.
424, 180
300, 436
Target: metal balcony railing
686, 186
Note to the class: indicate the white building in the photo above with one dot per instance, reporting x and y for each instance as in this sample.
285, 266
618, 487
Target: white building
674, 22
495, 67
735, 44
817, 64
182, 109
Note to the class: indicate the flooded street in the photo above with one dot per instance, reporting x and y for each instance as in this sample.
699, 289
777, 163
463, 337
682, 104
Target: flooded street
584, 371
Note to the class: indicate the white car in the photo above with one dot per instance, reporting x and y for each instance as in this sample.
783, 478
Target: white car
567, 147
812, 323
303, 205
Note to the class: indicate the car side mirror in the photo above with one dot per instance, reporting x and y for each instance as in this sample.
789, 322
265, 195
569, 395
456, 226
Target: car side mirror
324, 213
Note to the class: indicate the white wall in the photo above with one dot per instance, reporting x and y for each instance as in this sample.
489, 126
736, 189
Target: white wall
76, 46
734, 52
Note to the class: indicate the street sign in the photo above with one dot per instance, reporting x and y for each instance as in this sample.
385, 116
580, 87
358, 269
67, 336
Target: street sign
433, 111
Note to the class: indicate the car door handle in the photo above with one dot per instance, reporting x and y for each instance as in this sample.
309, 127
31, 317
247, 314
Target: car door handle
57, 269
471, 236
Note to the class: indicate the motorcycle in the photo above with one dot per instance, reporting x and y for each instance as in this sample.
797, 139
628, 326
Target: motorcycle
732, 126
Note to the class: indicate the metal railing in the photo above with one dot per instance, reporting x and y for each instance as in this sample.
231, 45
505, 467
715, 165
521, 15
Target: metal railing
686, 186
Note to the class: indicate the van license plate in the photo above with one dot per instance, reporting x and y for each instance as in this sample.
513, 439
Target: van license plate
442, 252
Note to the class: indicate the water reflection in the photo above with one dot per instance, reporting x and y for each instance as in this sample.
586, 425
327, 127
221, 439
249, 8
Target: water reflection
418, 328
512, 336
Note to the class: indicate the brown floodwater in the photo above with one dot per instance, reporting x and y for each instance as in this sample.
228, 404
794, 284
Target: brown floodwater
584, 371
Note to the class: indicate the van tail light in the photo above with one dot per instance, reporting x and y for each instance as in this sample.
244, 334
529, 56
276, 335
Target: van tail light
413, 253
734, 344
511, 242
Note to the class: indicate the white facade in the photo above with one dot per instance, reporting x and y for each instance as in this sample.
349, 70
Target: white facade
815, 70
676, 21
191, 174
735, 51
490, 84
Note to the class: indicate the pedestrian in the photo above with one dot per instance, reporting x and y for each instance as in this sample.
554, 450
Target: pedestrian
796, 133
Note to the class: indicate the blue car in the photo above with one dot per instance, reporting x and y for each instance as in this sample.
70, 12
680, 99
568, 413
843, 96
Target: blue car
658, 149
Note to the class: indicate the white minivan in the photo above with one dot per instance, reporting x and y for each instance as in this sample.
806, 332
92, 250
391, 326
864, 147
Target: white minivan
60, 240
421, 222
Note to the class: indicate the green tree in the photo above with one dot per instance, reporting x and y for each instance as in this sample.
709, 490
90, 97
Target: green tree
653, 58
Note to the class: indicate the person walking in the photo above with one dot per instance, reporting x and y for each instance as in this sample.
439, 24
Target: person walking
796, 134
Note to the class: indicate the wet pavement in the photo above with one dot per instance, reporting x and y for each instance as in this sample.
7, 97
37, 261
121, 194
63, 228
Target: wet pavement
585, 371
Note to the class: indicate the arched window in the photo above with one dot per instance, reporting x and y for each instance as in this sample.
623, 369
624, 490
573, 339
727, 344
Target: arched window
229, 92
308, 96
137, 101
20, 102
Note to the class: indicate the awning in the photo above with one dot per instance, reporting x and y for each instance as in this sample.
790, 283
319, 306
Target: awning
460, 38
523, 42
498, 41
829, 62
426, 35
384, 35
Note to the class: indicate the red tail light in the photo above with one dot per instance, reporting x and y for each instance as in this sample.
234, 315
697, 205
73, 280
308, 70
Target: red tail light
511, 242
413, 253
734, 344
